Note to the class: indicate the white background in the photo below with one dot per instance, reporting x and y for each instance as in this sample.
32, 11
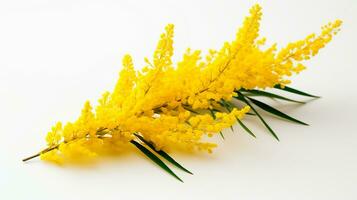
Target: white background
54, 55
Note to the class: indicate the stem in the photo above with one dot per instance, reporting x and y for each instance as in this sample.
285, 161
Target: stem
99, 134
41, 152
30, 157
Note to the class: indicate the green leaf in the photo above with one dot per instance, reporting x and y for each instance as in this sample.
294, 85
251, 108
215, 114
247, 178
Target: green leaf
215, 110
232, 129
295, 91
275, 111
242, 98
154, 158
163, 154
189, 109
229, 106
221, 135
270, 95
225, 103
245, 128
212, 112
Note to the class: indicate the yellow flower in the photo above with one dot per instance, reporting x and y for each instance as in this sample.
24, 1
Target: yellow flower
168, 104
54, 136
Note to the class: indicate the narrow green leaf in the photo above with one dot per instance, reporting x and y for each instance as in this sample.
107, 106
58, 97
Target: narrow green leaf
221, 103
212, 113
214, 117
242, 98
275, 111
221, 135
229, 106
163, 154
270, 95
245, 127
225, 103
215, 110
189, 109
295, 91
154, 158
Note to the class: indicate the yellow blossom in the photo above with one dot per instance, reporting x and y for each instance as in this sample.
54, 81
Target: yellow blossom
168, 104
54, 136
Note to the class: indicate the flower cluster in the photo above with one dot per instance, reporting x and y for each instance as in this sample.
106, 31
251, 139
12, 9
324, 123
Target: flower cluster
176, 106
